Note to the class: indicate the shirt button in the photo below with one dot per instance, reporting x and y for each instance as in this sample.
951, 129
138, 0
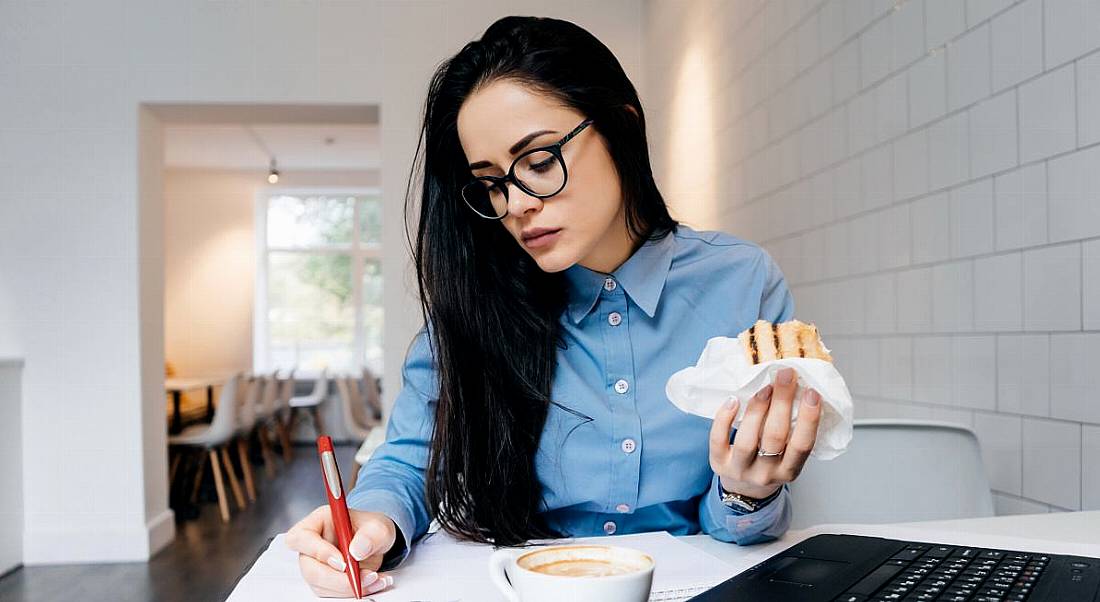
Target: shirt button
621, 386
609, 284
614, 318
609, 527
628, 446
623, 508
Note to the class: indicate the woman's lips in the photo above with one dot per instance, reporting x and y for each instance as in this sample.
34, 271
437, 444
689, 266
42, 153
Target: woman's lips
543, 240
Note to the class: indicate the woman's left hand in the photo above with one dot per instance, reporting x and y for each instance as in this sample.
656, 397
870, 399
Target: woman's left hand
765, 426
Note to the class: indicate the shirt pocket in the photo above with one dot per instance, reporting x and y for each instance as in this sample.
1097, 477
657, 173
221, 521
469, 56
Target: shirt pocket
562, 454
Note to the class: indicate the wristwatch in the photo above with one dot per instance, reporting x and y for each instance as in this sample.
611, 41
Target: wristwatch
744, 503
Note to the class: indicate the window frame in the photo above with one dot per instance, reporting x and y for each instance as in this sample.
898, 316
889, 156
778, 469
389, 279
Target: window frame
357, 250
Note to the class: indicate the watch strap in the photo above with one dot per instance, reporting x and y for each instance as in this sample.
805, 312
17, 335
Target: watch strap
743, 503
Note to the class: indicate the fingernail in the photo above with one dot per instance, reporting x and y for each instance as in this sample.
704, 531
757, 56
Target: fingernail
380, 585
336, 562
368, 578
731, 402
765, 393
785, 376
359, 550
813, 398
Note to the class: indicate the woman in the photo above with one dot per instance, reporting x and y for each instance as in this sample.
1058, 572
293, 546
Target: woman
559, 295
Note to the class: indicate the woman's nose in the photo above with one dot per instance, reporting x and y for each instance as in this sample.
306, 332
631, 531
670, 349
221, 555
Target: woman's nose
519, 202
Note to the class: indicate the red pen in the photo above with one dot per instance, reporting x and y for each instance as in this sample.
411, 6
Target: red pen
337, 505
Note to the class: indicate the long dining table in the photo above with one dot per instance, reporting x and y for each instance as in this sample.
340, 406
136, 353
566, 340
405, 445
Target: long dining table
177, 386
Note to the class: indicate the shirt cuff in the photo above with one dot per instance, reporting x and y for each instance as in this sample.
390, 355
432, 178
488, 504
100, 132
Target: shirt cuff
385, 502
768, 522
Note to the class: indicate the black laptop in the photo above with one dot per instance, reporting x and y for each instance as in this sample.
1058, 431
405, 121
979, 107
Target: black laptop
854, 568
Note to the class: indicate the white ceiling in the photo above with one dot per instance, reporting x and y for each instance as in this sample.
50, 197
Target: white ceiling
295, 146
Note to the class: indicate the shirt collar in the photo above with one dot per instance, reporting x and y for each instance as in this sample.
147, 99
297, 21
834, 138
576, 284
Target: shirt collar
642, 277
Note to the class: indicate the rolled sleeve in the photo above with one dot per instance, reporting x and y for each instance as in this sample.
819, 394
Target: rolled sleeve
393, 481
726, 524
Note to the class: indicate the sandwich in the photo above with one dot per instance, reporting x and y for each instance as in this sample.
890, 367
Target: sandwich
764, 341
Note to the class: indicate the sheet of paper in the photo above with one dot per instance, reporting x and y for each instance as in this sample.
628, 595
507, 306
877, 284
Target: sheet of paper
441, 569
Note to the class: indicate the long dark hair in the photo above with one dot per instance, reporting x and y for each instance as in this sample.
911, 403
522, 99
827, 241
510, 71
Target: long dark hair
492, 313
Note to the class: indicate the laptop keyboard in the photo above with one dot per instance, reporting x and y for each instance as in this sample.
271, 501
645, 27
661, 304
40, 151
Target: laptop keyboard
938, 573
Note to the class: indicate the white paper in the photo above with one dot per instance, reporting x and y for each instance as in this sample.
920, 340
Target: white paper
723, 371
442, 569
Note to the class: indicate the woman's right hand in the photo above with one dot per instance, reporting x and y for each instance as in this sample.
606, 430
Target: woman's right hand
322, 564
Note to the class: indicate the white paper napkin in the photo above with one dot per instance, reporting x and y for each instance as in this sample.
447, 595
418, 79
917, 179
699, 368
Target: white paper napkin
723, 370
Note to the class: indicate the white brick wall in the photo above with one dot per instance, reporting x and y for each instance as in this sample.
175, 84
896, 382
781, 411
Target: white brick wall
927, 174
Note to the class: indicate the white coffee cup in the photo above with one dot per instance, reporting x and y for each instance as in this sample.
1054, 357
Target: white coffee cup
574, 573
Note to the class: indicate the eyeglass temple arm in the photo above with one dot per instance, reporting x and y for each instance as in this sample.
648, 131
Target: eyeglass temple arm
575, 131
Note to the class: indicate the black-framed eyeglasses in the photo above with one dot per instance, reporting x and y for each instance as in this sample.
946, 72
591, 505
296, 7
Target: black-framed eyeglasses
540, 172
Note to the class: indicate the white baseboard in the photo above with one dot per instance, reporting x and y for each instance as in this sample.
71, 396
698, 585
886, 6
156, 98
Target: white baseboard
91, 543
162, 530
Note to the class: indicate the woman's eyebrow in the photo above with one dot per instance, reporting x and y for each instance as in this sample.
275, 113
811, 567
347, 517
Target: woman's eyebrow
517, 147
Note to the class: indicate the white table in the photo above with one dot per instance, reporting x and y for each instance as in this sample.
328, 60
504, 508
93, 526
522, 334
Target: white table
1076, 533
176, 386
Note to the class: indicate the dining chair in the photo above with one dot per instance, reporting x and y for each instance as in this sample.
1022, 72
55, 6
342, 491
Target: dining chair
212, 439
282, 414
310, 403
265, 418
371, 388
895, 470
352, 409
246, 425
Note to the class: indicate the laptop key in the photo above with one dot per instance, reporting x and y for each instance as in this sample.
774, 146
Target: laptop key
939, 552
908, 554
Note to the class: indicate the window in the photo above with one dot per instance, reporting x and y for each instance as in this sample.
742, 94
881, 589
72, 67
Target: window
319, 280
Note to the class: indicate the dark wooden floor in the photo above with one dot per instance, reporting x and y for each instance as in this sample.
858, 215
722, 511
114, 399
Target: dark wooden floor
207, 556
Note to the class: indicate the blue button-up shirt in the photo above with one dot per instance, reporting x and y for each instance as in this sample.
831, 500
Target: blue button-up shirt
627, 460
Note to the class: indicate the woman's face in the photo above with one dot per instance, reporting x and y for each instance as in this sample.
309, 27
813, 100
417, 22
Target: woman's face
586, 220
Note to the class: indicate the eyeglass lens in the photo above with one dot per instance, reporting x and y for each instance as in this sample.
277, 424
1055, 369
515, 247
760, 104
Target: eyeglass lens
540, 172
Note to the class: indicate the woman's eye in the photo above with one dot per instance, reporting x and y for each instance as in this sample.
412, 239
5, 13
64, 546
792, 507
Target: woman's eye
542, 166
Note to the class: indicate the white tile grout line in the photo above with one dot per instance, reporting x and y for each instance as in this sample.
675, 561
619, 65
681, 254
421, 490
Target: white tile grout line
945, 189
942, 118
932, 264
972, 411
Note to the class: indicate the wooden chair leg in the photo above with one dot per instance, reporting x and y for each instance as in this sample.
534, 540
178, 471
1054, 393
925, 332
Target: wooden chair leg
232, 473
198, 478
223, 505
265, 449
246, 468
175, 467
284, 437
316, 411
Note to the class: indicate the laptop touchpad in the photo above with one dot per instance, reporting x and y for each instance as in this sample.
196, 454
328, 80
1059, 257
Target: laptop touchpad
807, 571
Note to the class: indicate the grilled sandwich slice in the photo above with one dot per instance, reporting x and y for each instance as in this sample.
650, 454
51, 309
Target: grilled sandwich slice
764, 341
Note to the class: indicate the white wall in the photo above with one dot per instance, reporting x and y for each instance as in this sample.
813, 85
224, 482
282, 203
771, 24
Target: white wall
210, 261
11, 469
927, 174
82, 291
